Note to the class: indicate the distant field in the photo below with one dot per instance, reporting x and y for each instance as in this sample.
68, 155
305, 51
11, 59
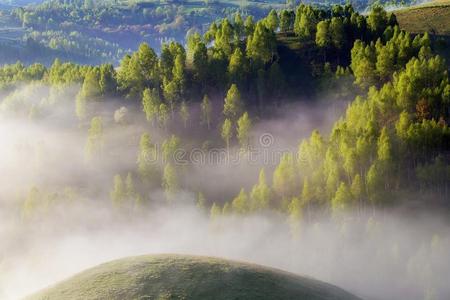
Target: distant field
188, 277
433, 17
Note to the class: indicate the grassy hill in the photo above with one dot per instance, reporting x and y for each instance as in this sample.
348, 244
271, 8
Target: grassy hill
188, 277
433, 17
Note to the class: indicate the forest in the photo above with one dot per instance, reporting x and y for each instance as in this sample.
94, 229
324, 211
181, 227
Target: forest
213, 125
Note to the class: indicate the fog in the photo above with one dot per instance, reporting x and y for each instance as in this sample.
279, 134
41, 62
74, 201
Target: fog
398, 255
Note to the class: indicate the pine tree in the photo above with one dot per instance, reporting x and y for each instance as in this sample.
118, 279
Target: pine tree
295, 212
240, 204
227, 132
170, 182
260, 194
243, 130
206, 110
150, 103
233, 106
342, 200
94, 143
118, 193
147, 159
272, 20
184, 113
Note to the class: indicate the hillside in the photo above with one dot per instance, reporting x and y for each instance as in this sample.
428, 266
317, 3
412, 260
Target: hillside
433, 17
188, 277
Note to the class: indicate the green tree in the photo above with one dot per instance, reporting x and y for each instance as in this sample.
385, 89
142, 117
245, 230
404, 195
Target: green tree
272, 20
227, 132
285, 179
233, 105
240, 203
337, 33
107, 80
147, 159
206, 110
164, 115
80, 107
260, 194
237, 67
342, 200
118, 192
170, 181
244, 125
94, 143
295, 211
261, 46
150, 103
215, 212
184, 113
377, 20
286, 20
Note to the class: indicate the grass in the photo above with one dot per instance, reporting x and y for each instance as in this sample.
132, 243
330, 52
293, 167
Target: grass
433, 17
188, 277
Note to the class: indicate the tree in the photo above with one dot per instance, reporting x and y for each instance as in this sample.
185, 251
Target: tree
184, 113
272, 20
377, 20
323, 38
385, 62
285, 180
286, 20
94, 143
200, 62
342, 200
215, 212
233, 105
164, 115
337, 33
243, 129
201, 201
227, 132
206, 110
170, 181
91, 88
107, 81
261, 46
384, 146
237, 67
139, 71
150, 103
260, 194
169, 148
295, 212
357, 188
81, 107
305, 22
118, 192
147, 159
130, 190
240, 203
249, 25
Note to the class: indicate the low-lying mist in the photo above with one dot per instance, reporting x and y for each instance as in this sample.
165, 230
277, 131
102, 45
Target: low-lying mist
395, 255
388, 258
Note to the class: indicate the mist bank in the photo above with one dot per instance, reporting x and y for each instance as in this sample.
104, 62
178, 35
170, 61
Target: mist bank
387, 257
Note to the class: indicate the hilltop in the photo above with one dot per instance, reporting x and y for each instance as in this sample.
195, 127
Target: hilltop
433, 17
188, 277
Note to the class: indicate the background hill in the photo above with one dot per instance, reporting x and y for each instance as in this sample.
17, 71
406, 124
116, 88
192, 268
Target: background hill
188, 277
432, 17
